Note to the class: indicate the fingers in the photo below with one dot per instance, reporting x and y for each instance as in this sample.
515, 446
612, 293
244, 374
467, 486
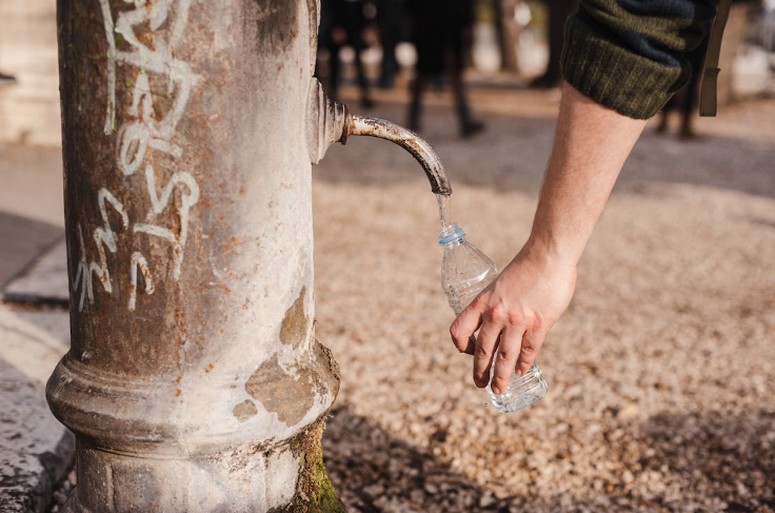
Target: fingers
486, 342
463, 328
505, 360
531, 343
471, 345
517, 338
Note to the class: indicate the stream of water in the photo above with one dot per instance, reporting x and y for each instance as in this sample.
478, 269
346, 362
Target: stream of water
444, 209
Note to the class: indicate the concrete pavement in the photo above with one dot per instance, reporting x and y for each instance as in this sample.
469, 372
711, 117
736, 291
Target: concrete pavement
35, 449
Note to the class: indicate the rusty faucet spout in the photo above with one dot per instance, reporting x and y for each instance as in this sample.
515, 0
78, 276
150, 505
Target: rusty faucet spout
420, 149
331, 122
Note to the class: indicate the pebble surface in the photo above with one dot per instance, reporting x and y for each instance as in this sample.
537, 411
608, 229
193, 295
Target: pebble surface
661, 373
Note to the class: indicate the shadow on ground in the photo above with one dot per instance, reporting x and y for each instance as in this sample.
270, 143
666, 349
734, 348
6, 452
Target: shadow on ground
512, 153
374, 471
22, 240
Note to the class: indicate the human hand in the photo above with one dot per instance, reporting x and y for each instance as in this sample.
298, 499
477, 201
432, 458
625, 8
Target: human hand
513, 314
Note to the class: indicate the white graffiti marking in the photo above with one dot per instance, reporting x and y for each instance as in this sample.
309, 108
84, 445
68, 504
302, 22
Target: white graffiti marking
144, 130
139, 262
107, 19
82, 276
105, 237
188, 198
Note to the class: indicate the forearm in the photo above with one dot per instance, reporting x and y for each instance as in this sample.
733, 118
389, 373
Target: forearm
590, 147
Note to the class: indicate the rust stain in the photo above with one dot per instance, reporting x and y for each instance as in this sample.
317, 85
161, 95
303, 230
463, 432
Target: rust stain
269, 15
178, 392
244, 410
293, 330
231, 245
210, 366
289, 396
180, 322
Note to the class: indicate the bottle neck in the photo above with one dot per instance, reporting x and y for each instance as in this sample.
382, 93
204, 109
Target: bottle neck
453, 243
451, 235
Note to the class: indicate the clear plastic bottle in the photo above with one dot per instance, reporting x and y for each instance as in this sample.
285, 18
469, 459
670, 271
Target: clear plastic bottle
465, 271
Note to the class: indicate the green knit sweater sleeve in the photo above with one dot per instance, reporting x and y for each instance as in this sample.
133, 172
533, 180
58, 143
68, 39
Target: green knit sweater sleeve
629, 55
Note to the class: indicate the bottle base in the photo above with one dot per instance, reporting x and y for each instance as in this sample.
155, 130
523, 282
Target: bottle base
521, 391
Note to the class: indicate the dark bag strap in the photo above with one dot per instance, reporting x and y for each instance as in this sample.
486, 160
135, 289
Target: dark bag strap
711, 69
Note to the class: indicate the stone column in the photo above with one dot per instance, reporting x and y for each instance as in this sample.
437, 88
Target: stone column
194, 382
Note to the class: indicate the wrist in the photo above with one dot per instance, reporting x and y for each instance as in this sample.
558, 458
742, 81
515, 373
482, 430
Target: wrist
552, 252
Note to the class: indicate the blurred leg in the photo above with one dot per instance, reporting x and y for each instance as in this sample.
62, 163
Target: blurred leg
363, 81
334, 69
468, 125
415, 106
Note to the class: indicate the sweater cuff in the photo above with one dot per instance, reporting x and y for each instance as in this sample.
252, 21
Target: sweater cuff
614, 76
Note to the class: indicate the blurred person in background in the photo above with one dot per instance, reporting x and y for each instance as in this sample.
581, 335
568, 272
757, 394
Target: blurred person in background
391, 23
558, 10
621, 63
685, 100
442, 35
342, 23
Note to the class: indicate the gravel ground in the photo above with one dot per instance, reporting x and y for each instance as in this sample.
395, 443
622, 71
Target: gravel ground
60, 495
661, 372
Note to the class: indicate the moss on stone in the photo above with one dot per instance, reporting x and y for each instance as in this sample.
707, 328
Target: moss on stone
323, 497
314, 491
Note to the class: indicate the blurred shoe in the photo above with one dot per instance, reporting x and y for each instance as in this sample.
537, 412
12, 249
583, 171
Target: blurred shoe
7, 79
471, 128
367, 102
687, 133
413, 120
545, 82
386, 82
661, 127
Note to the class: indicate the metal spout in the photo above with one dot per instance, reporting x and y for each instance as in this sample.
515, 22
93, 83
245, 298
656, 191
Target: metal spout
420, 149
331, 121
